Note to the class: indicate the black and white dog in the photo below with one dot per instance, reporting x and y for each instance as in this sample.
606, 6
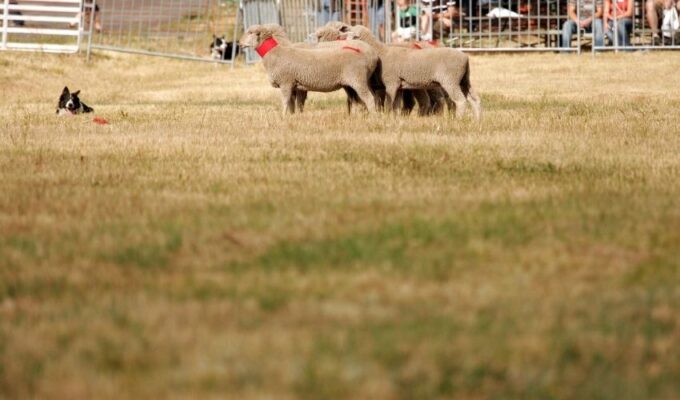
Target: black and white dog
70, 104
220, 49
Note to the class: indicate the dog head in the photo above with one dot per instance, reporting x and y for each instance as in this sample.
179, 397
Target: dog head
218, 47
69, 103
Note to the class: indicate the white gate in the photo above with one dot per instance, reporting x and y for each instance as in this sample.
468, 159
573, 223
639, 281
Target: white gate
52, 26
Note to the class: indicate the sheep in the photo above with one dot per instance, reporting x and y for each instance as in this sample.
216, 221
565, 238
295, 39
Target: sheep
320, 70
352, 98
403, 68
437, 97
331, 32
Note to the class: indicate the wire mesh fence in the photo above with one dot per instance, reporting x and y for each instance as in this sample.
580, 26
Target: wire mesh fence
173, 28
185, 28
494, 25
544, 25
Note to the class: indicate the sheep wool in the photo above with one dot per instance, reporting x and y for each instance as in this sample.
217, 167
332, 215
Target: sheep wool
352, 98
294, 69
427, 68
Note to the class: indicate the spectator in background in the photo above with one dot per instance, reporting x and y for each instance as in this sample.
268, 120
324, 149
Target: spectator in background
620, 11
329, 10
657, 12
16, 22
87, 7
408, 18
589, 19
441, 14
376, 16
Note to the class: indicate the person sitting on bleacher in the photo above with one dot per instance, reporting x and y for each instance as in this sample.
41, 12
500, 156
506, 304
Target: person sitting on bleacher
86, 10
408, 17
587, 18
621, 12
657, 12
442, 15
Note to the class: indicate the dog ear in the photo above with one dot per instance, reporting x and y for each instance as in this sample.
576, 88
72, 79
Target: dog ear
65, 91
76, 93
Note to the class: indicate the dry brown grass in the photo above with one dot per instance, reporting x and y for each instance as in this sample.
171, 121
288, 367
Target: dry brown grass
201, 245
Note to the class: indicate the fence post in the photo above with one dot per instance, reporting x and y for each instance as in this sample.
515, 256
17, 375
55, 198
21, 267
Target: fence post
91, 30
388, 20
616, 26
5, 23
235, 37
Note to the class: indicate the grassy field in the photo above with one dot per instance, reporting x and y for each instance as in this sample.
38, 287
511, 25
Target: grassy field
203, 246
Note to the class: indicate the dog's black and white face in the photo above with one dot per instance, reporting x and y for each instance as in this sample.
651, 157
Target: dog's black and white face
69, 103
220, 49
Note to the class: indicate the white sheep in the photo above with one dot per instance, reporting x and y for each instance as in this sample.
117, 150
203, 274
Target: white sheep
352, 98
403, 68
335, 31
436, 97
317, 70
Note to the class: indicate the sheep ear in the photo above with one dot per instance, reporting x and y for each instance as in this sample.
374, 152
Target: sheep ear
344, 29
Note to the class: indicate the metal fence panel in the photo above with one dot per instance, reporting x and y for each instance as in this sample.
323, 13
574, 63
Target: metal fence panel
184, 28
528, 25
171, 28
638, 32
53, 26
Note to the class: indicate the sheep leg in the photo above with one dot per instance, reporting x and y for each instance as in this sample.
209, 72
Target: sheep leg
423, 100
391, 101
300, 99
352, 98
437, 98
408, 101
450, 105
366, 96
476, 102
398, 100
380, 99
287, 100
459, 99
349, 100
378, 90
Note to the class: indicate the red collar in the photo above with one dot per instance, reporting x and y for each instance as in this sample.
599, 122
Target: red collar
266, 46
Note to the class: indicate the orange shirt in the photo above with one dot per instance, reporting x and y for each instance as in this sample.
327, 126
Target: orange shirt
621, 7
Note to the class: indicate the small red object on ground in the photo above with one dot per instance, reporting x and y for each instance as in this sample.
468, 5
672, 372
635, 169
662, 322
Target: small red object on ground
100, 121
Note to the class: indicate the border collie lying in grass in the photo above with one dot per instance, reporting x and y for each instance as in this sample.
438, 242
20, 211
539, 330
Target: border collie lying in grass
70, 104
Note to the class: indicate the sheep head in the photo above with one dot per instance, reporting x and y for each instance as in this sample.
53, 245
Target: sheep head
334, 30
328, 34
339, 25
257, 34
362, 33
